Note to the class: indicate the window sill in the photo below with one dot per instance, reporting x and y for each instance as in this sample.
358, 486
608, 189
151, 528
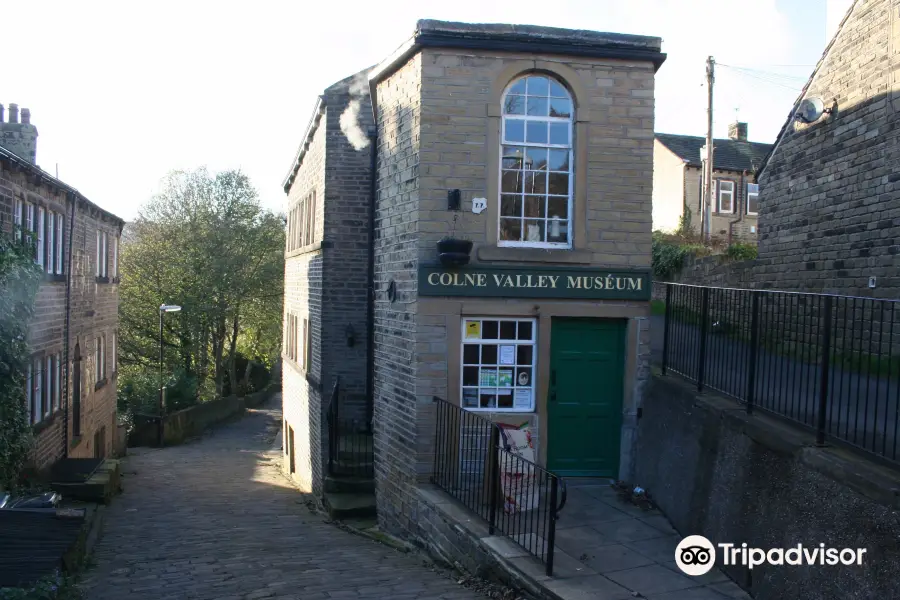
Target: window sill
55, 277
100, 384
309, 248
102, 279
46, 422
508, 254
315, 383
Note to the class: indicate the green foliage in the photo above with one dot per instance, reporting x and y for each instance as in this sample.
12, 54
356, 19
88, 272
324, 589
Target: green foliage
206, 244
669, 252
51, 587
19, 281
684, 223
741, 251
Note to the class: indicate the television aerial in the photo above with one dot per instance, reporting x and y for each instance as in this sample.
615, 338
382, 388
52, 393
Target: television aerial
811, 110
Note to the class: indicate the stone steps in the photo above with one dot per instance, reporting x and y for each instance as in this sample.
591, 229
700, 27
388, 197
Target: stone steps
350, 505
337, 484
100, 487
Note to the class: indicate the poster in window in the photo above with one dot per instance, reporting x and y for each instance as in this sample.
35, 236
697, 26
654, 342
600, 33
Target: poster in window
470, 397
488, 378
507, 355
473, 330
505, 378
523, 378
522, 399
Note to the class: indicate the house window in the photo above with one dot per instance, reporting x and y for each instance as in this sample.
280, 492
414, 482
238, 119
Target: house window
39, 249
115, 354
726, 195
307, 345
37, 397
536, 175
102, 254
29, 393
76, 393
28, 211
57, 390
100, 358
50, 250
17, 219
115, 260
498, 357
59, 243
752, 198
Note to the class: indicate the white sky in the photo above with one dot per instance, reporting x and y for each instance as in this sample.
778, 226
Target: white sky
123, 92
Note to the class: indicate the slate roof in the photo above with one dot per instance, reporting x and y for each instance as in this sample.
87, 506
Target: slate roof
728, 154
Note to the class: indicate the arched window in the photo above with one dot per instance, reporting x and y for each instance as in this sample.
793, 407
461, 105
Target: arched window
536, 176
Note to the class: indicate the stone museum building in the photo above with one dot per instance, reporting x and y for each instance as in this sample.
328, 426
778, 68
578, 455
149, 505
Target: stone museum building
469, 222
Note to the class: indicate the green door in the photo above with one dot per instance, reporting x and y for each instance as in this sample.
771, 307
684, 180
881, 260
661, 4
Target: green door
584, 406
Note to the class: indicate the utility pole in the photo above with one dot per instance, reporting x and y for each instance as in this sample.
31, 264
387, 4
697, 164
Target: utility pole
708, 175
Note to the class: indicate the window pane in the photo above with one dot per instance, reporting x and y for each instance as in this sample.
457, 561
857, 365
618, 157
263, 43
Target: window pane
489, 351
557, 231
524, 332
488, 332
470, 398
505, 400
512, 157
559, 160
558, 207
558, 90
524, 354
470, 375
487, 399
559, 184
511, 182
511, 230
538, 86
536, 159
560, 107
537, 107
507, 330
753, 203
511, 206
518, 87
537, 133
515, 130
523, 377
534, 231
514, 105
535, 182
559, 133
534, 206
470, 354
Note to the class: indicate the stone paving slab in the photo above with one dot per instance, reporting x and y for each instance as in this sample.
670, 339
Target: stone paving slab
216, 520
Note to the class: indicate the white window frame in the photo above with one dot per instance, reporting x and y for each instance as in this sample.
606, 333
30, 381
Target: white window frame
58, 383
29, 217
59, 243
570, 120
29, 392
100, 357
755, 194
720, 192
17, 219
97, 266
40, 249
51, 237
115, 265
533, 342
49, 371
38, 376
115, 348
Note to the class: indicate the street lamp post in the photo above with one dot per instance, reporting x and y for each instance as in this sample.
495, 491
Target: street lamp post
164, 308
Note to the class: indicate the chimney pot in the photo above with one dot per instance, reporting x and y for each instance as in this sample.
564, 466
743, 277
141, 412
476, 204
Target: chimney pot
26, 116
13, 113
738, 131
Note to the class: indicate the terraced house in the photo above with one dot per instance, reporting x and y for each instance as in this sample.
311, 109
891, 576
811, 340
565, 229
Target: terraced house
71, 379
482, 256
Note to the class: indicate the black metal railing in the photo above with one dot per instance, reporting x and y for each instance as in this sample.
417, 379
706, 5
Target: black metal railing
514, 495
351, 447
830, 363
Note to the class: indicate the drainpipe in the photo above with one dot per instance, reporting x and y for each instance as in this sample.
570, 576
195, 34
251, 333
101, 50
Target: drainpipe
738, 206
370, 284
67, 330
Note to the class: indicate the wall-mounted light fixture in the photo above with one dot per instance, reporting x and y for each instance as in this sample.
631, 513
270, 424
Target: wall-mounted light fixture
454, 199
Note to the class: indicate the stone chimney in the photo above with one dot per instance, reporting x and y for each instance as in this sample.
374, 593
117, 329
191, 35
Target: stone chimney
738, 131
20, 138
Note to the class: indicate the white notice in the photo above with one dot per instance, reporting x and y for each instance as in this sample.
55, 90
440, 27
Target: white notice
522, 398
507, 355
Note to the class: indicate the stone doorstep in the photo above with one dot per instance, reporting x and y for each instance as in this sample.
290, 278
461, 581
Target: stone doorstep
514, 565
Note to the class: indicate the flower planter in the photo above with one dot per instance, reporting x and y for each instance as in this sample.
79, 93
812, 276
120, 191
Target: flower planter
453, 252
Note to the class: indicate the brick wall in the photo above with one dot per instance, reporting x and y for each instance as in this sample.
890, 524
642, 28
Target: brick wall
93, 312
396, 259
301, 397
830, 196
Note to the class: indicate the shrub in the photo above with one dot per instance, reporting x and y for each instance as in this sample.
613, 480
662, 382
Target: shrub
669, 252
741, 251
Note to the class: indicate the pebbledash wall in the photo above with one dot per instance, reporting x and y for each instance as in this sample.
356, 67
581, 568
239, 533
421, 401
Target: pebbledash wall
67, 421
328, 190
438, 105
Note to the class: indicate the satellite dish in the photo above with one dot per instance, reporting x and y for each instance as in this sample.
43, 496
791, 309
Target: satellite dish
811, 109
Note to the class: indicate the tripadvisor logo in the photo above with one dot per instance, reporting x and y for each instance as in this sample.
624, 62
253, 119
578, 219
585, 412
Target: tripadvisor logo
695, 555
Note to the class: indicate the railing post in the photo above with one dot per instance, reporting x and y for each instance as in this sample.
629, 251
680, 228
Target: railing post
494, 474
668, 317
754, 351
551, 533
704, 327
826, 364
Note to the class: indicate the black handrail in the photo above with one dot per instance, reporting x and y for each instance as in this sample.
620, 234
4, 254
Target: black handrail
351, 449
469, 460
